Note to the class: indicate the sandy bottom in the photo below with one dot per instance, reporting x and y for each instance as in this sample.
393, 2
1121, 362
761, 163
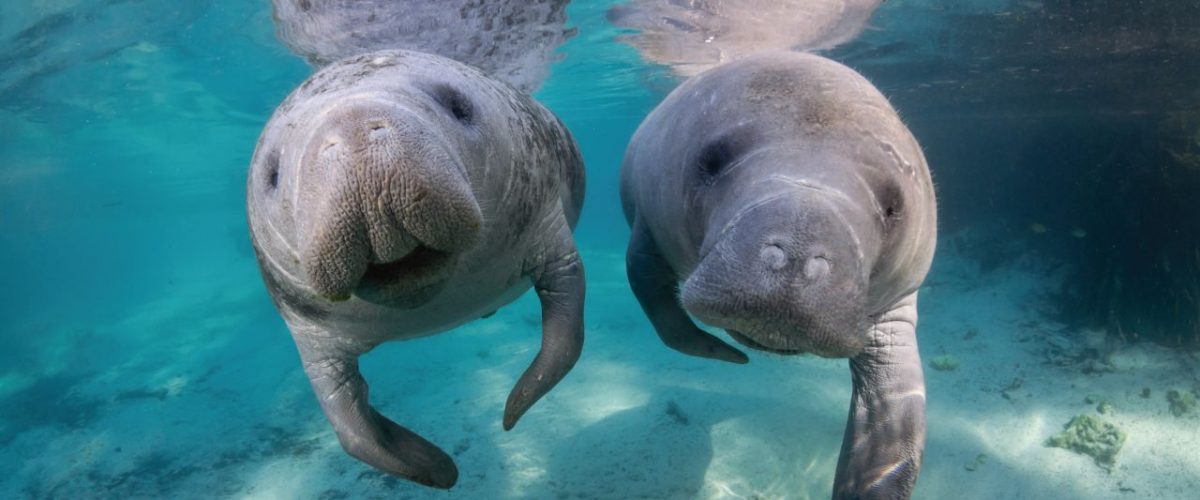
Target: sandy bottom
201, 394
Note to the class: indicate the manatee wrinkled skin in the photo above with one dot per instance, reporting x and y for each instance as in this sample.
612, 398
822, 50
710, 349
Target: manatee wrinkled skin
511, 40
780, 197
398, 194
696, 35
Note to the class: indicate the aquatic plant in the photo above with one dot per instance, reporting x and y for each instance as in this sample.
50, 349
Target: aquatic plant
1088, 435
944, 363
1139, 276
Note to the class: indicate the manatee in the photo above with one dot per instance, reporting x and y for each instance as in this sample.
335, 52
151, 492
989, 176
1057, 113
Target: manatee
398, 194
511, 40
781, 198
694, 36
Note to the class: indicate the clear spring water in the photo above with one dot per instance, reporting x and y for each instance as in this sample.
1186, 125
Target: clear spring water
141, 356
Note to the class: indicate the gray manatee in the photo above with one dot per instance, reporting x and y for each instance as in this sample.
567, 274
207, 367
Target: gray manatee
797, 210
398, 194
696, 35
511, 40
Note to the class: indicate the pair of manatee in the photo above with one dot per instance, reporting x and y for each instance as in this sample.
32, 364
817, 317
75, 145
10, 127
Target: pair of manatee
397, 194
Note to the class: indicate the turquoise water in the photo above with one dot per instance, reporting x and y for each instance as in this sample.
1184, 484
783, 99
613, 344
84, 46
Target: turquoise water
142, 357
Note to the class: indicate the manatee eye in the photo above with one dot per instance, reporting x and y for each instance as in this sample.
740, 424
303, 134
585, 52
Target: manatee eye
455, 103
892, 201
272, 170
714, 157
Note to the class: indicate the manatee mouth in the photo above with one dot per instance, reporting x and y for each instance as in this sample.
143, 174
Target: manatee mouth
749, 342
410, 280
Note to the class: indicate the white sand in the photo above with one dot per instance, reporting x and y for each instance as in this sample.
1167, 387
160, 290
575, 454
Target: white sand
200, 394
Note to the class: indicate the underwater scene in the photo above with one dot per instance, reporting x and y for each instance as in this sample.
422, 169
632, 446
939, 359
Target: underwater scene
600, 249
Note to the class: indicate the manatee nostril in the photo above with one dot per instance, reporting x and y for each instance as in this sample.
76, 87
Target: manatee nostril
773, 256
378, 130
329, 144
816, 268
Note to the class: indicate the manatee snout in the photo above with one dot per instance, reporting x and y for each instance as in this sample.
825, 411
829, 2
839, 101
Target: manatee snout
384, 207
784, 276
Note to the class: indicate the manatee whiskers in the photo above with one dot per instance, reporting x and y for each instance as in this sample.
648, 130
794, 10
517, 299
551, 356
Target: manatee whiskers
388, 189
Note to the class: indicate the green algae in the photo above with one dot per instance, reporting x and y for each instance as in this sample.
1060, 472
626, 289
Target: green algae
1091, 436
944, 363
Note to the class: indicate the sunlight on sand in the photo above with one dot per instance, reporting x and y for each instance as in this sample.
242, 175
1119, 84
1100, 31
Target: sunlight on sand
282, 478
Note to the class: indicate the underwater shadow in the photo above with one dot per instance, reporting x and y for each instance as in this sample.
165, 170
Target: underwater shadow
662, 449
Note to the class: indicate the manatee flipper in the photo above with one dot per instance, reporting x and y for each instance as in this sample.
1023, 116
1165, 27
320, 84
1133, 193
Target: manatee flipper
885, 433
654, 285
332, 367
559, 283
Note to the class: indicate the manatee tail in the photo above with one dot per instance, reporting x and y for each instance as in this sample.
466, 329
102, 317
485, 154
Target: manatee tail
885, 433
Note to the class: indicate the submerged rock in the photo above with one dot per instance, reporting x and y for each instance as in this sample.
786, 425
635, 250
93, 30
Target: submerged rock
1088, 435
